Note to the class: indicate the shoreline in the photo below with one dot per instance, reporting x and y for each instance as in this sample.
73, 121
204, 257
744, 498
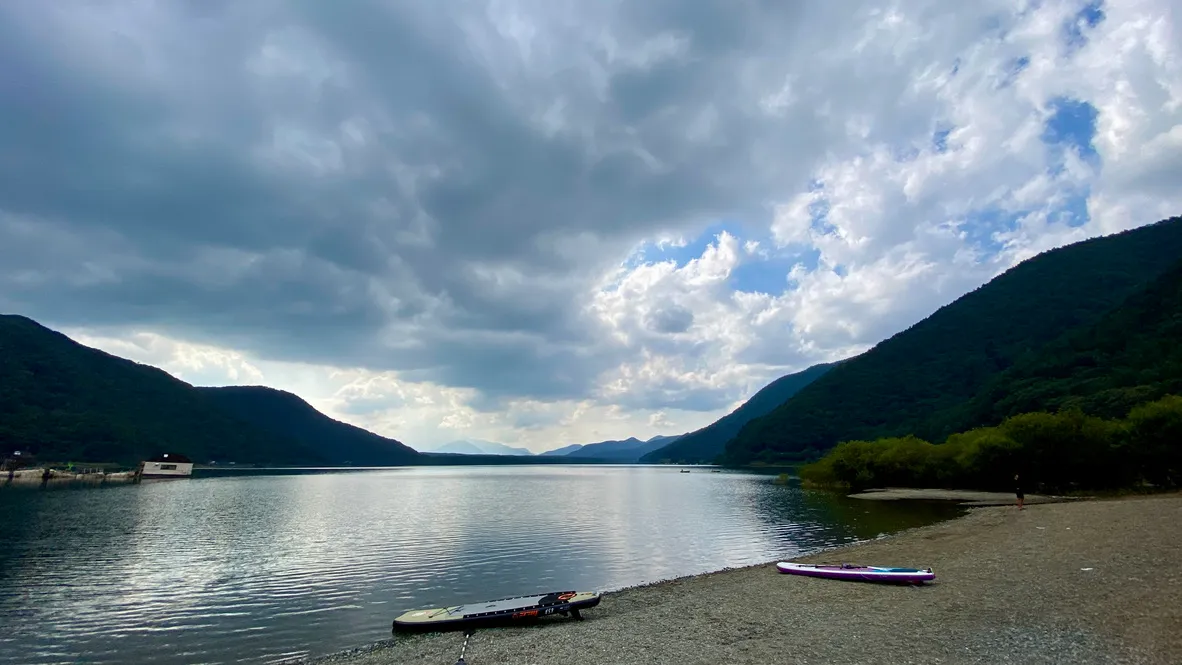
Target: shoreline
971, 498
1047, 584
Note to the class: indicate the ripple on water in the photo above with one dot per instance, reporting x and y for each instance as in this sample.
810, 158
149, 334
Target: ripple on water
258, 569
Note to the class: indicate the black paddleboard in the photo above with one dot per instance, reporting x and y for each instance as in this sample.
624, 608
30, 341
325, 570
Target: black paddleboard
500, 610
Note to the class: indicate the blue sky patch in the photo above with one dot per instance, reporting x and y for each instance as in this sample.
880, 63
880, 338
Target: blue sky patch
759, 275
1086, 18
980, 226
1012, 70
940, 139
1072, 124
651, 253
1075, 211
766, 271
819, 211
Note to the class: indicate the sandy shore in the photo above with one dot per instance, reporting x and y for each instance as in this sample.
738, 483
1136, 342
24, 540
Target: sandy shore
1095, 581
965, 497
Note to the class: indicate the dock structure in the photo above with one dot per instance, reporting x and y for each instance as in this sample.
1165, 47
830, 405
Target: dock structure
168, 465
23, 468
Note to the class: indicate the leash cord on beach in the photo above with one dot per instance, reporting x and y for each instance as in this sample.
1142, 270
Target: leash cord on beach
461, 661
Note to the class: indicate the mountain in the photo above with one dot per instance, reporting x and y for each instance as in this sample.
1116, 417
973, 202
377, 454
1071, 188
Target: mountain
1131, 356
609, 449
1099, 408
563, 450
704, 445
459, 447
664, 440
68, 402
284, 414
494, 448
624, 451
917, 381
479, 447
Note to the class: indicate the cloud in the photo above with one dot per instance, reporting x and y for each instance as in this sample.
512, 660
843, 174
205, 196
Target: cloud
518, 220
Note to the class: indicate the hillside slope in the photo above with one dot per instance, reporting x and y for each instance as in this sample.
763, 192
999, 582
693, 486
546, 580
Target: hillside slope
912, 382
457, 447
704, 445
69, 402
561, 451
1131, 356
624, 451
479, 447
284, 414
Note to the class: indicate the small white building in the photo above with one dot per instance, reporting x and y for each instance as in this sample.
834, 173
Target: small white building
168, 465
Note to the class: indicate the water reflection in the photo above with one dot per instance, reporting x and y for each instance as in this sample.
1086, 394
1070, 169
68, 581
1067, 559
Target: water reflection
252, 568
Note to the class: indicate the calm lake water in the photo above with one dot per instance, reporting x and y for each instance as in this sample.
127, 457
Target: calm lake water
264, 567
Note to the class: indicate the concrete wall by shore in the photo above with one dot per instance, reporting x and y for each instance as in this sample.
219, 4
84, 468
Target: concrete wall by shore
36, 475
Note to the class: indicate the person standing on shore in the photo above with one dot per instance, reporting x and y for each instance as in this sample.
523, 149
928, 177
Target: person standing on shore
1018, 489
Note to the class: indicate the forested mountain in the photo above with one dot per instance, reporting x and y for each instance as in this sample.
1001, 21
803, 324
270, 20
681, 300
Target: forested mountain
704, 445
68, 402
283, 414
1132, 356
917, 381
1098, 408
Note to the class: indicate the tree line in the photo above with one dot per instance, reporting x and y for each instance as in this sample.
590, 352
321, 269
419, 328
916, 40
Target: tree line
1054, 452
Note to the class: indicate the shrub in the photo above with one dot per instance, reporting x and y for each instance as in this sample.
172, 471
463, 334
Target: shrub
1053, 451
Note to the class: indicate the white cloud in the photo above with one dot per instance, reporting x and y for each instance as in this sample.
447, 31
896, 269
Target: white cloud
422, 415
504, 249
198, 364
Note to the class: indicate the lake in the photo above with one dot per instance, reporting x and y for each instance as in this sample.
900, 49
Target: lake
258, 568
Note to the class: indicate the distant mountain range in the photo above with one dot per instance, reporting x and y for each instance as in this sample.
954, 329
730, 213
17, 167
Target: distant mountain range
477, 447
626, 451
623, 451
563, 450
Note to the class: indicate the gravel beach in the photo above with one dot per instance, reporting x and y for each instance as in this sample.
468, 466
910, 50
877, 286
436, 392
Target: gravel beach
963, 497
1095, 581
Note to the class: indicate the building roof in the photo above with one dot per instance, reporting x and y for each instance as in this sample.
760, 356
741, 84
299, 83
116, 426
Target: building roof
171, 457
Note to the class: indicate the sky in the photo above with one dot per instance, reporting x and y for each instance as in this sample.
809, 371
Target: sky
544, 222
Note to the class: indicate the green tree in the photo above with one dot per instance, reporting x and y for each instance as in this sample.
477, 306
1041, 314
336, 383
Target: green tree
1154, 441
1066, 450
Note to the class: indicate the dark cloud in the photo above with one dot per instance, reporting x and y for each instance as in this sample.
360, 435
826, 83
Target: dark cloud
671, 320
386, 184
